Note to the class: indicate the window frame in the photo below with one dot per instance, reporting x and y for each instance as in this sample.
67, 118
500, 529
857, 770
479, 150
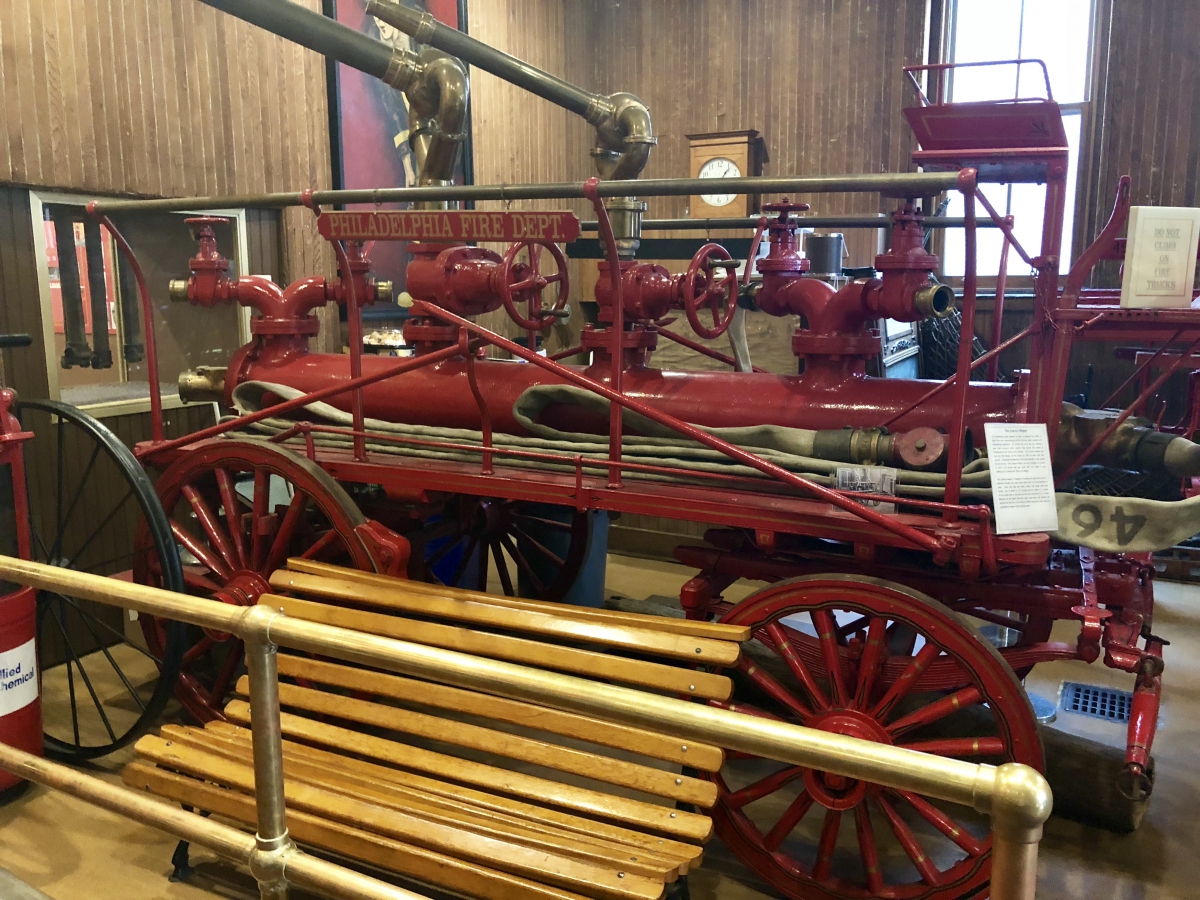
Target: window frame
1084, 162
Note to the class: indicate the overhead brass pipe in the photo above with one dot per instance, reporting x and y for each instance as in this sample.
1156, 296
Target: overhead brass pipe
301, 869
902, 184
624, 134
434, 84
1015, 796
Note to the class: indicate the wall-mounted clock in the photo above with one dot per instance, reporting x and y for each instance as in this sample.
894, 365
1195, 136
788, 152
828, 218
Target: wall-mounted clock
725, 154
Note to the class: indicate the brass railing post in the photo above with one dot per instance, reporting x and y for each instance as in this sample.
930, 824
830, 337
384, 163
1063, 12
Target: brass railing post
273, 843
1019, 803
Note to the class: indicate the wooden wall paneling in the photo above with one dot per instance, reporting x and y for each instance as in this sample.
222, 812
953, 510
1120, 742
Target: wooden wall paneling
20, 305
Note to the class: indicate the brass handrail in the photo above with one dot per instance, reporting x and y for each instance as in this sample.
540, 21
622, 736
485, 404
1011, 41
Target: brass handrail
1015, 796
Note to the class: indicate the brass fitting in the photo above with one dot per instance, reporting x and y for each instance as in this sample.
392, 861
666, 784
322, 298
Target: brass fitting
935, 301
204, 384
177, 290
383, 292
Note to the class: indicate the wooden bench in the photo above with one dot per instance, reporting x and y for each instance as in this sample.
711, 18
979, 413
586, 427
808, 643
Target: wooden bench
461, 790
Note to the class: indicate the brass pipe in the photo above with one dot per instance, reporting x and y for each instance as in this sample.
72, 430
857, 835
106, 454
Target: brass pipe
302, 870
1017, 797
890, 184
624, 134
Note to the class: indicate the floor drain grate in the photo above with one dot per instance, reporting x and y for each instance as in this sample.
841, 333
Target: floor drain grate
1108, 704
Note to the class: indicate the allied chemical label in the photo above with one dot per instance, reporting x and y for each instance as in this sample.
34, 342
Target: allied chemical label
1022, 477
1160, 257
448, 226
18, 677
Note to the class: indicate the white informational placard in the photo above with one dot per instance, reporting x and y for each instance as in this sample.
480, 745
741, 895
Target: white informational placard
869, 480
1022, 477
1160, 257
18, 677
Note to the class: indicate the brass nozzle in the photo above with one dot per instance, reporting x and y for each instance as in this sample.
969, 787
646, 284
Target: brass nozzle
383, 292
204, 384
935, 301
177, 289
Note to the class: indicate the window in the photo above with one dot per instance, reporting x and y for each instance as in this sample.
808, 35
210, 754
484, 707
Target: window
1058, 33
101, 366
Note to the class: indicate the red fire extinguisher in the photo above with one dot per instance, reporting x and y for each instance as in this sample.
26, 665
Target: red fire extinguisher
20, 682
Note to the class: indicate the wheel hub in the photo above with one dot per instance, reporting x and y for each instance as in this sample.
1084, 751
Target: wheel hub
243, 589
836, 791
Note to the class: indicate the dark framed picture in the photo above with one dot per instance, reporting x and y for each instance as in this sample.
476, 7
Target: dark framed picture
369, 123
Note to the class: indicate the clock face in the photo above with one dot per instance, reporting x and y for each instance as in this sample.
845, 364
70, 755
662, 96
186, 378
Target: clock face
719, 167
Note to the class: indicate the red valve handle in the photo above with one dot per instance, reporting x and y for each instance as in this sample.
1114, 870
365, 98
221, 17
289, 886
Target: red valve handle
524, 281
701, 290
785, 208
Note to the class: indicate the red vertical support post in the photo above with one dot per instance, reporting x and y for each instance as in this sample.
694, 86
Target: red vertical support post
590, 190
156, 418
356, 349
1052, 350
966, 340
993, 370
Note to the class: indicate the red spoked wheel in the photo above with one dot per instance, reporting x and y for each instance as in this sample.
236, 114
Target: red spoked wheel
871, 659
238, 510
535, 550
701, 290
523, 282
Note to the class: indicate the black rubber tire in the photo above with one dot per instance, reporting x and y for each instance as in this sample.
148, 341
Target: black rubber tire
143, 493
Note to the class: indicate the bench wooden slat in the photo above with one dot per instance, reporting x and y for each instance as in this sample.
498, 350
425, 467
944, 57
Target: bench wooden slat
513, 649
704, 757
547, 867
637, 813
714, 630
418, 863
553, 756
400, 597
435, 809
685, 854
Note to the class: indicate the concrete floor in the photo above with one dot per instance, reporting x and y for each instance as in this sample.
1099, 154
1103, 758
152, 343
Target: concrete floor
70, 850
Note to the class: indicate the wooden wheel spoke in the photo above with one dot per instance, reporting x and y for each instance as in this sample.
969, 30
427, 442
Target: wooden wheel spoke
776, 690
206, 557
481, 570
229, 670
827, 634
939, 709
867, 848
763, 787
943, 823
538, 546
540, 520
783, 647
286, 531
872, 660
233, 504
502, 570
258, 515
197, 650
521, 561
912, 847
908, 678
321, 544
827, 844
192, 579
440, 553
208, 521
981, 746
461, 569
787, 823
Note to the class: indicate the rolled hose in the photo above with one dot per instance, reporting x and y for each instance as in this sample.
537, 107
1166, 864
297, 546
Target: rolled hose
1106, 524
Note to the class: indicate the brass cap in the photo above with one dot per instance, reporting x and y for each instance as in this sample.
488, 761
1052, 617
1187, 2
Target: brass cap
935, 301
177, 289
383, 292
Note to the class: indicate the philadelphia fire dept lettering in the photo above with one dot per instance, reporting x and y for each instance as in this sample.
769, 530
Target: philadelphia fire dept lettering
449, 225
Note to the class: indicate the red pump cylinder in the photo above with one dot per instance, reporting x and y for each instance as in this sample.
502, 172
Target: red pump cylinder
20, 704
